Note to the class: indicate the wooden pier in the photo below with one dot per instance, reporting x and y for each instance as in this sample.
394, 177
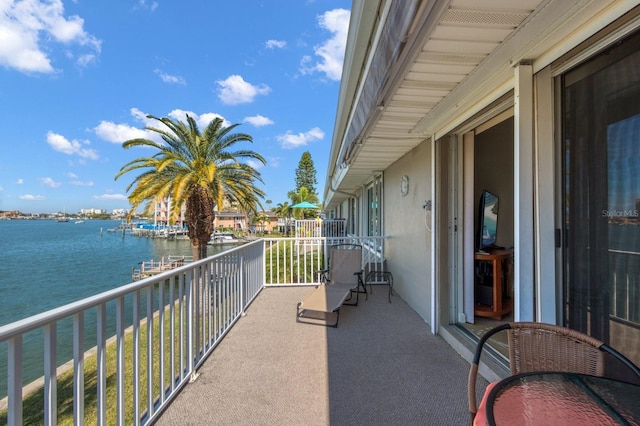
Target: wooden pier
154, 267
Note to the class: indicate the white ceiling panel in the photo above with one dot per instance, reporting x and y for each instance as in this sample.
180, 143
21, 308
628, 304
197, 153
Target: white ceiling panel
467, 36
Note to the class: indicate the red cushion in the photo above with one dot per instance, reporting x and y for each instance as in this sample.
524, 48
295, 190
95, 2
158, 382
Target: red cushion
481, 416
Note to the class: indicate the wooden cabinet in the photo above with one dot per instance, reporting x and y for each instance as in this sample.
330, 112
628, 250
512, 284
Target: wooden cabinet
491, 283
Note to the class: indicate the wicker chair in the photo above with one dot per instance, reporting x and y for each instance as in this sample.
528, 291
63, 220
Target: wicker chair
535, 346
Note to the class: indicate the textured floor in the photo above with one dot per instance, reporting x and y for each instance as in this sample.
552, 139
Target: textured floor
381, 366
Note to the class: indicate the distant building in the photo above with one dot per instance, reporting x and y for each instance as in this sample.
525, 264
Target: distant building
89, 212
270, 223
8, 214
119, 212
163, 213
230, 220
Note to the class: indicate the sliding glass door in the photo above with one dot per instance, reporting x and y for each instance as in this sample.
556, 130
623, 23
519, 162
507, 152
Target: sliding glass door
601, 197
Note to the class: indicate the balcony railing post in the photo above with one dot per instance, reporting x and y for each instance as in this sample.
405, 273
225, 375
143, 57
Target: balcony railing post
264, 264
120, 367
191, 333
50, 379
242, 283
101, 365
136, 356
150, 351
78, 368
14, 378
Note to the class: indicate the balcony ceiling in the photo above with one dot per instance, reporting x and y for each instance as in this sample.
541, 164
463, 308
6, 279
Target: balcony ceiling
455, 52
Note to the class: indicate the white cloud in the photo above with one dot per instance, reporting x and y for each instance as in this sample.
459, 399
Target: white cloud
1, 188
71, 175
29, 28
85, 60
258, 121
110, 197
255, 164
290, 140
29, 197
47, 181
61, 144
275, 44
274, 162
331, 52
171, 79
81, 183
234, 90
119, 133
20, 181
142, 4
202, 120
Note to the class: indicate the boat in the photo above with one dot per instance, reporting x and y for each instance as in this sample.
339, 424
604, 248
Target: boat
79, 221
64, 217
224, 238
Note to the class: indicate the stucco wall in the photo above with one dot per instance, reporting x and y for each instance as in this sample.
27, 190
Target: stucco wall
404, 222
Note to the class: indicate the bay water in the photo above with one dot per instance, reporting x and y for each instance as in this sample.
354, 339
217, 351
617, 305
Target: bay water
45, 264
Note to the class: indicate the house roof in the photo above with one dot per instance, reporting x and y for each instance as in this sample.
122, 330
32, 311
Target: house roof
414, 69
228, 215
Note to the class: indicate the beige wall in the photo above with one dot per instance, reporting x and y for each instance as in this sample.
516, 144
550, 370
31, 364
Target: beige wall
408, 248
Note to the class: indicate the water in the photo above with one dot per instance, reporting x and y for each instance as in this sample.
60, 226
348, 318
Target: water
45, 264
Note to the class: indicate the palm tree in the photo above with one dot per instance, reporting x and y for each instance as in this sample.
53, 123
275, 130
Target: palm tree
195, 169
283, 210
260, 219
302, 195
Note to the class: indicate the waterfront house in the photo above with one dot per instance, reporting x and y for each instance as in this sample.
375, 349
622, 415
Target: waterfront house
536, 101
230, 220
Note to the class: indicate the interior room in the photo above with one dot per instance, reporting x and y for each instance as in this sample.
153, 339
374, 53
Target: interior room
493, 173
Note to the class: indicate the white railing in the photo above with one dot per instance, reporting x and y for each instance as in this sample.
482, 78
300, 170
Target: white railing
147, 339
296, 261
162, 329
328, 228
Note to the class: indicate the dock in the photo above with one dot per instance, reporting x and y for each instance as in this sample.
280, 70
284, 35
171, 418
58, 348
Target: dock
154, 267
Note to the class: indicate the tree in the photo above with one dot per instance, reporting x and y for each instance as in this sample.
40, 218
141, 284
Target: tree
302, 195
283, 210
196, 169
306, 174
260, 219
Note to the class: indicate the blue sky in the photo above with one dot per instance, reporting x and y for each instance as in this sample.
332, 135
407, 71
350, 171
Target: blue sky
77, 78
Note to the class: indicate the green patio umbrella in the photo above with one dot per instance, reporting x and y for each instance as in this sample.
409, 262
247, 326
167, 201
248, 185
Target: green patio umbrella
304, 205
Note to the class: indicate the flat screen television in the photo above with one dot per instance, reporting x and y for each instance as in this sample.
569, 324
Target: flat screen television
487, 221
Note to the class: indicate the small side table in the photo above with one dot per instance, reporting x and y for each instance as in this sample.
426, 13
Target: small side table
380, 277
498, 307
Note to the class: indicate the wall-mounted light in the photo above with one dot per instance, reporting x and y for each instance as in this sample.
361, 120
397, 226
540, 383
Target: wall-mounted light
404, 185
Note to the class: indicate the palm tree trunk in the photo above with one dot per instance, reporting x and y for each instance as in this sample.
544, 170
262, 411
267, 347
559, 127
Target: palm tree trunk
199, 251
199, 215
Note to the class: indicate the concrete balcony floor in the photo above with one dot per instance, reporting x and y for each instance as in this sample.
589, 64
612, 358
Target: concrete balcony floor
381, 366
